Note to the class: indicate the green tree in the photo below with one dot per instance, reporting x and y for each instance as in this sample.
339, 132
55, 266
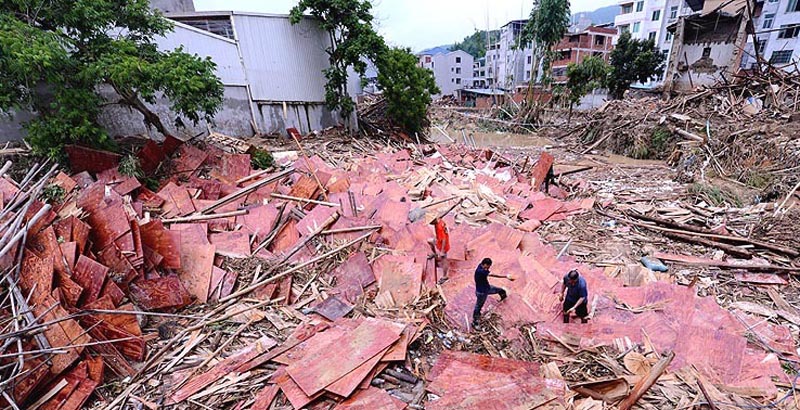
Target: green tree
633, 61
590, 74
406, 86
352, 37
475, 43
546, 26
56, 56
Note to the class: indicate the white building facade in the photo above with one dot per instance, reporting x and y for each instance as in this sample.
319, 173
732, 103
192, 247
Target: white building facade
777, 29
452, 70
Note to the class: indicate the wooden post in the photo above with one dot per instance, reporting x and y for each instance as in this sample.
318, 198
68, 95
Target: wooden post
644, 384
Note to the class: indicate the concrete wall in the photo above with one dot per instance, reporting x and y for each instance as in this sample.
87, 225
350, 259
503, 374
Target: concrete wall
232, 119
703, 71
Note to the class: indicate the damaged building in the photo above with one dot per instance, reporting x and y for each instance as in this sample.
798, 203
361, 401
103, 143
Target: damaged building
271, 71
707, 45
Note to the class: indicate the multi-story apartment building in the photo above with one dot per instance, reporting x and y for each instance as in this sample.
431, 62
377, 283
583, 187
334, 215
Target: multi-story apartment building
642, 18
479, 74
575, 47
452, 70
776, 29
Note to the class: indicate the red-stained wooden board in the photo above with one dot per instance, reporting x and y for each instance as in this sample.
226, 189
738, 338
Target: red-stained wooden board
353, 276
91, 275
265, 397
160, 293
195, 272
539, 171
296, 396
186, 161
177, 201
192, 234
165, 243
542, 209
65, 333
221, 369
259, 220
371, 399
36, 276
345, 386
313, 373
231, 244
305, 187
87, 159
287, 238
231, 168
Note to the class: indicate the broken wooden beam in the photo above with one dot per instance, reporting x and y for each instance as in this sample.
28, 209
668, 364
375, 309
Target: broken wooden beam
245, 191
305, 200
644, 384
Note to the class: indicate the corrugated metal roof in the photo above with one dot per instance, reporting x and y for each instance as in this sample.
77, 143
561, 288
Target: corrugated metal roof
284, 62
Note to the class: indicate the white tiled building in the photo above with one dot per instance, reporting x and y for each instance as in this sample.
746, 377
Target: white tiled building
452, 70
777, 35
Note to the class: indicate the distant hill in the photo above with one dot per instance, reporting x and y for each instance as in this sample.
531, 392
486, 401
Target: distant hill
602, 15
436, 50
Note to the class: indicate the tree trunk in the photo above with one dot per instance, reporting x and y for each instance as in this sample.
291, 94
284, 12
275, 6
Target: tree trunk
150, 118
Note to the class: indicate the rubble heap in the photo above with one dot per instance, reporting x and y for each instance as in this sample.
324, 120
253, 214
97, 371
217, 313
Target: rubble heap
310, 284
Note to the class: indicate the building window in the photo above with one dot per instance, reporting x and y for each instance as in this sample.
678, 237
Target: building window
707, 52
597, 54
458, 70
433, 64
639, 6
452, 80
427, 59
452, 70
559, 71
599, 40
656, 15
789, 31
793, 6
626, 8
651, 36
528, 74
458, 60
768, 20
529, 59
668, 37
636, 27
673, 12
781, 57
458, 81
760, 46
624, 29
221, 26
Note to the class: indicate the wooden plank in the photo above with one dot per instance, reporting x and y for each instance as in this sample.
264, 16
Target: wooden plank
197, 262
345, 386
313, 373
231, 244
265, 397
221, 369
371, 398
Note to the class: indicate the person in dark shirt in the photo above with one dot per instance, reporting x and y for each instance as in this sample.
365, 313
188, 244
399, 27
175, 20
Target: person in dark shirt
483, 289
575, 296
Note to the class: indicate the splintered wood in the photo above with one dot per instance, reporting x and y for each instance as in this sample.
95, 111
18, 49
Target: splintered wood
315, 284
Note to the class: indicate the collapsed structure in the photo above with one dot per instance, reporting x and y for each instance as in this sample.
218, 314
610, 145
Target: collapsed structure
318, 272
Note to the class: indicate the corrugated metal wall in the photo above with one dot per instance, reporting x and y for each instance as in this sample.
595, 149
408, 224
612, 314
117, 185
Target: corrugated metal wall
283, 62
224, 52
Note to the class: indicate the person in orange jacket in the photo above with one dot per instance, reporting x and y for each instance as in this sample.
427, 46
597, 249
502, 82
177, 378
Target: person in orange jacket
441, 245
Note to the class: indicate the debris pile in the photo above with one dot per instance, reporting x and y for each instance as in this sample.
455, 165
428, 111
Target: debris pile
312, 284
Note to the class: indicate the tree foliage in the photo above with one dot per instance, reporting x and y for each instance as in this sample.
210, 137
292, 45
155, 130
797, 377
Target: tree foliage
546, 26
475, 43
406, 86
590, 74
56, 57
633, 61
353, 38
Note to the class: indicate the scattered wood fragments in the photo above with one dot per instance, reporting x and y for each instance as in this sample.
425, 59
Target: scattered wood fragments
311, 285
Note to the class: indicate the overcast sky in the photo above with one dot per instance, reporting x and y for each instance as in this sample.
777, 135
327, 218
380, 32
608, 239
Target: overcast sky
419, 23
